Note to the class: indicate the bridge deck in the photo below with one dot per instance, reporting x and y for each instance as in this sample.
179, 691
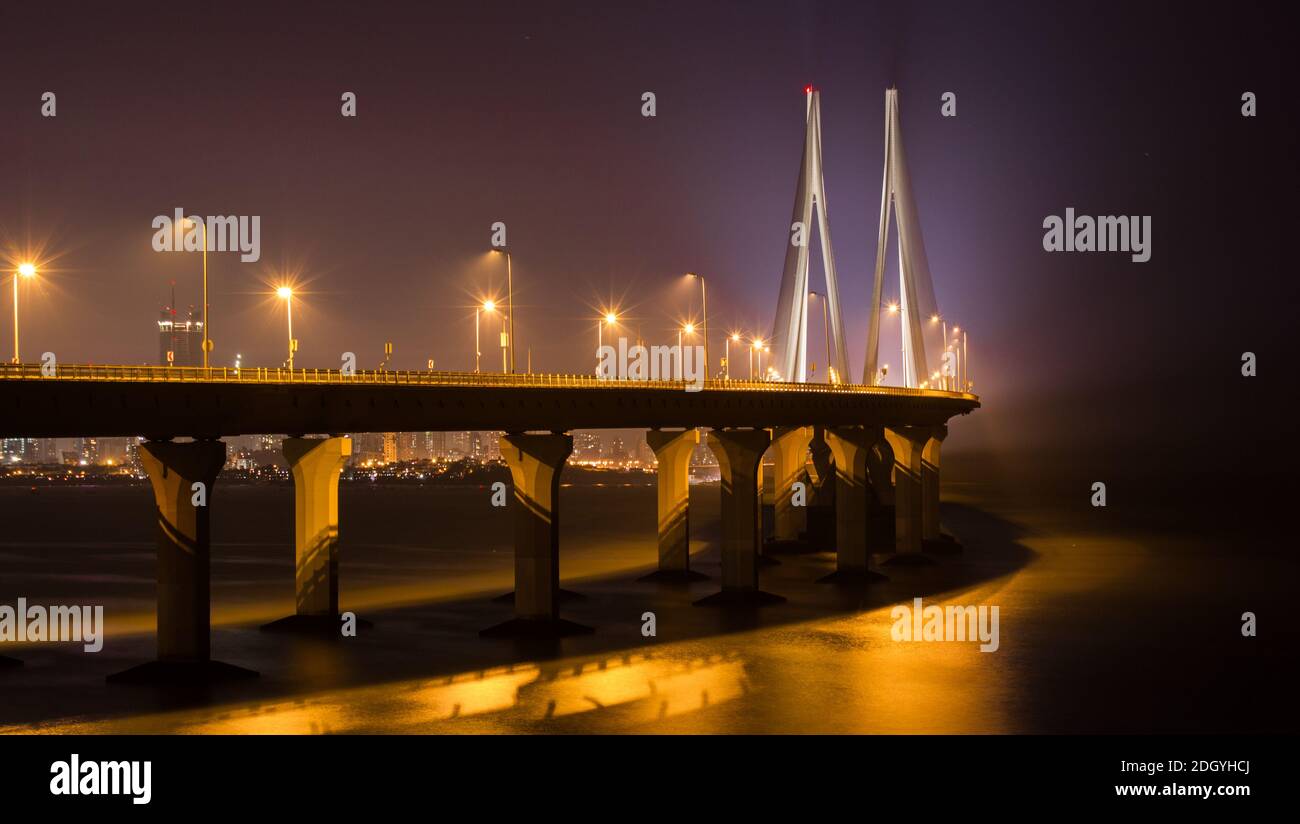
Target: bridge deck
158, 401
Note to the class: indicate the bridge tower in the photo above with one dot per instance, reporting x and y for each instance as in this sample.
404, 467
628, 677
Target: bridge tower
916, 291
790, 330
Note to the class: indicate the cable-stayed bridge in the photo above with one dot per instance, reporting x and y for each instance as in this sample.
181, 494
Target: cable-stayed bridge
874, 449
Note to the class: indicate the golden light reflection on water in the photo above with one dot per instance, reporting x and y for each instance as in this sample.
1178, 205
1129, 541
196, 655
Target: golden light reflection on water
649, 687
836, 673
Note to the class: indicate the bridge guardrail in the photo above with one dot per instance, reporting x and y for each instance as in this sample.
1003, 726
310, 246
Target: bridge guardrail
275, 375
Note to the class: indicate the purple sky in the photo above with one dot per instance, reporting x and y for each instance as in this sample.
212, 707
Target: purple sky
530, 114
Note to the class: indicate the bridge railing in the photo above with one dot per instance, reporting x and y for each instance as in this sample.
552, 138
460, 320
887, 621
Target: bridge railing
397, 377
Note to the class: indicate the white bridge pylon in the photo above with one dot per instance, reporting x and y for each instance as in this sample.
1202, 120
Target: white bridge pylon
790, 331
915, 288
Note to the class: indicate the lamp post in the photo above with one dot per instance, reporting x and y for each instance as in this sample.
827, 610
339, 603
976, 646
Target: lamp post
704, 322
735, 336
686, 329
25, 271
486, 306
287, 294
609, 320
510, 307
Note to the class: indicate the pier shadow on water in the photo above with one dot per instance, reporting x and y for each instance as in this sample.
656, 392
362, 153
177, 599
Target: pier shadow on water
423, 666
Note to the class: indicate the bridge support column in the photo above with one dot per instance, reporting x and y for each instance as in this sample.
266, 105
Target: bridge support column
315, 464
535, 463
790, 445
673, 452
908, 444
933, 539
822, 473
855, 501
740, 463
183, 476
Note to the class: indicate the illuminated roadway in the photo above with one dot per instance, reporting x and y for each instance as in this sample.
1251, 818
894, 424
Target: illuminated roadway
162, 402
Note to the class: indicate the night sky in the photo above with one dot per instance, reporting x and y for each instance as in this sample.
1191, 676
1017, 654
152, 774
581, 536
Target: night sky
530, 114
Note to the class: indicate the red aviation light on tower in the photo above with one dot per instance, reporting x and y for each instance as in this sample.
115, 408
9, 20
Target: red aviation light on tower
808, 89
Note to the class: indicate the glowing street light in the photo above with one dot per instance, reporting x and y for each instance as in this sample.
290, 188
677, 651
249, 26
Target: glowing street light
26, 271
704, 322
286, 294
687, 328
735, 337
487, 306
609, 319
510, 307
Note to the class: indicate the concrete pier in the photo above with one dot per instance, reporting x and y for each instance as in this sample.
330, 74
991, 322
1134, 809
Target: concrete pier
932, 537
740, 456
908, 444
855, 501
315, 464
535, 463
673, 452
790, 448
182, 476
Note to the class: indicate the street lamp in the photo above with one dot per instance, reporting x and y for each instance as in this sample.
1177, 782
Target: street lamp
286, 294
689, 329
487, 306
735, 336
490, 306
609, 320
207, 341
510, 306
757, 347
704, 323
25, 271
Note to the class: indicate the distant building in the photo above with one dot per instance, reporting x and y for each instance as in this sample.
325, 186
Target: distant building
457, 444
180, 342
644, 454
411, 446
390, 447
88, 451
586, 446
617, 449
111, 451
485, 446
435, 444
19, 450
